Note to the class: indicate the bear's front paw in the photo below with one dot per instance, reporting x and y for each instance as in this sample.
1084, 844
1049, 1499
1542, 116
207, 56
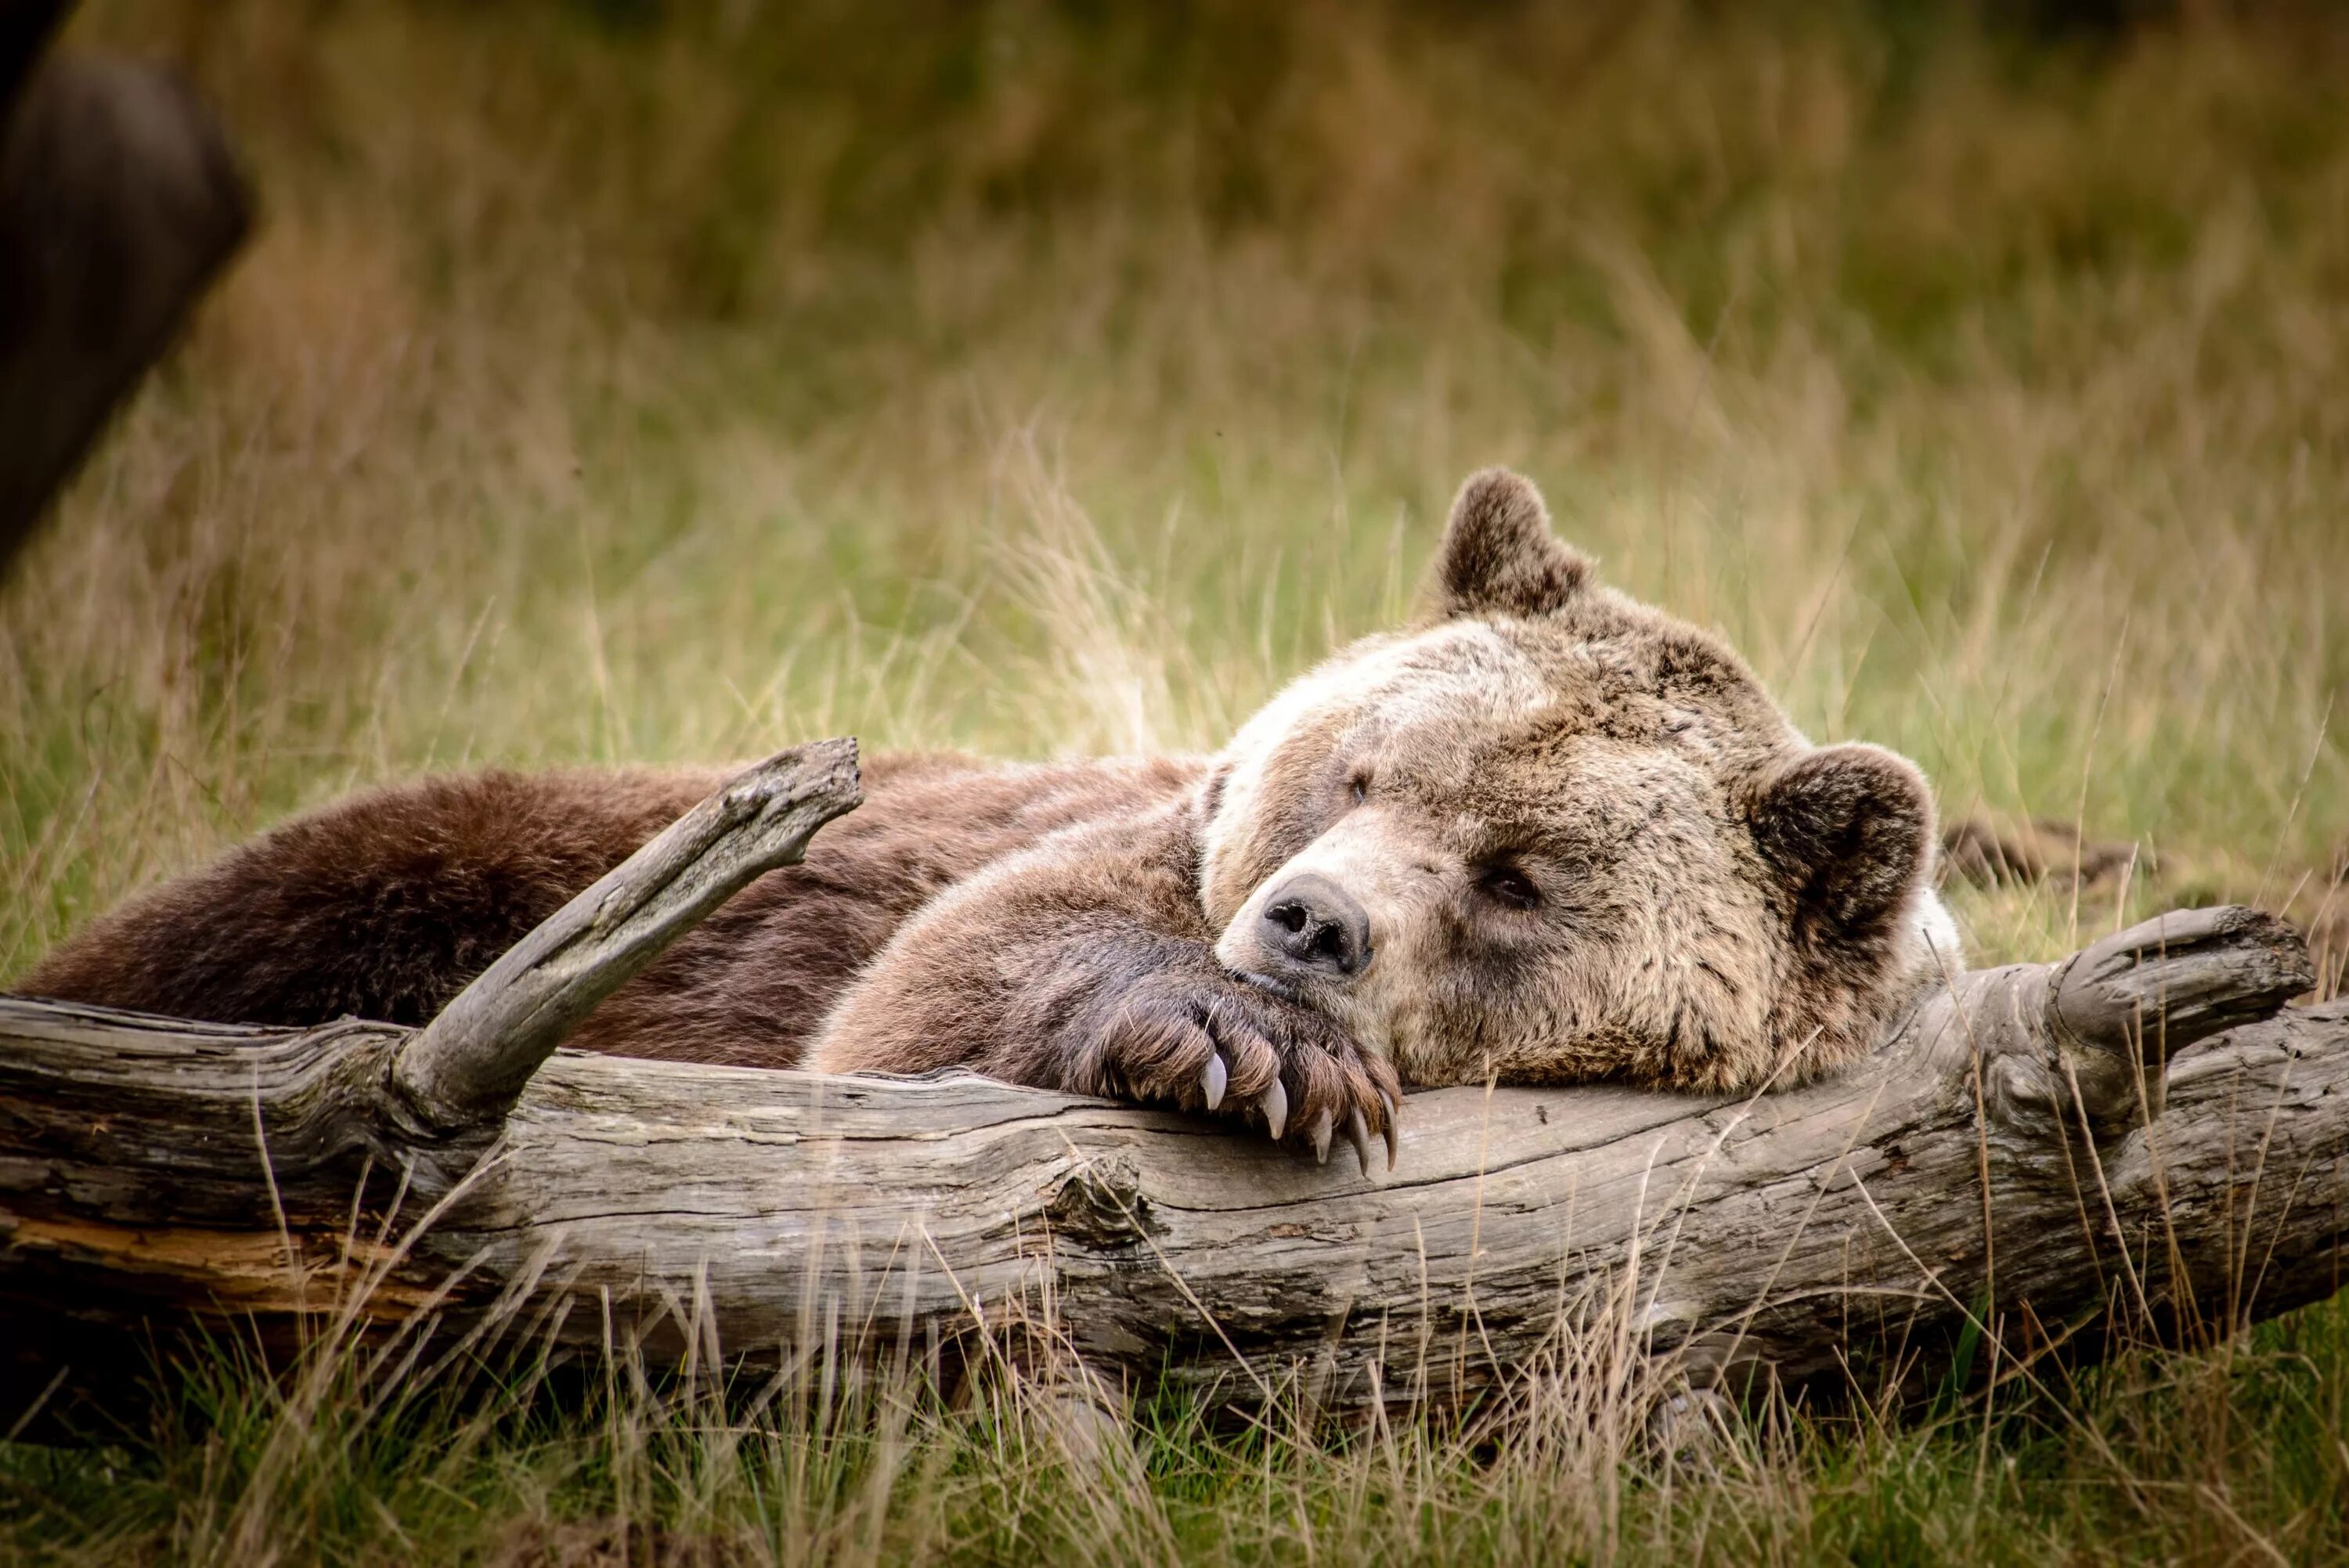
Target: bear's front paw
1218, 1043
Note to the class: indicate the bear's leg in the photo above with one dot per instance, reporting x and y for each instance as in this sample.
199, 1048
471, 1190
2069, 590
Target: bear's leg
1085, 964
382, 905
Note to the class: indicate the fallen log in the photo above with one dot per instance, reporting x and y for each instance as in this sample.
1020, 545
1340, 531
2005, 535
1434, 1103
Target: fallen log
2143, 1132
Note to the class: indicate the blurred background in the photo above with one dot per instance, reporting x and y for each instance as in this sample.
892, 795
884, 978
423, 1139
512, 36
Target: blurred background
613, 379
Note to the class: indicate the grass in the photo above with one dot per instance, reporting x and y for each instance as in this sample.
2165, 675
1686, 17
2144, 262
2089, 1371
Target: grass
616, 381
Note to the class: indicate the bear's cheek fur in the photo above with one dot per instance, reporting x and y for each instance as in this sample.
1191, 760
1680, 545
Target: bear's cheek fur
1650, 996
1655, 958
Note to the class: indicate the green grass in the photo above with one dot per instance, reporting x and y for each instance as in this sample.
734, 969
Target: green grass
613, 383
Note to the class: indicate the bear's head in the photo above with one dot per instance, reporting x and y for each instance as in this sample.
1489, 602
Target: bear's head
1556, 835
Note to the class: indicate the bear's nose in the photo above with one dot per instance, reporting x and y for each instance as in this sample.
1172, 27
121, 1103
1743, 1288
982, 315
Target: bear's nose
1314, 924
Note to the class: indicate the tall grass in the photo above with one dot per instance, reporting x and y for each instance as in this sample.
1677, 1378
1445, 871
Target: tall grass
617, 381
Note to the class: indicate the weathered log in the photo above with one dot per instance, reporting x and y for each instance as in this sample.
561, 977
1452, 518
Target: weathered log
2141, 1126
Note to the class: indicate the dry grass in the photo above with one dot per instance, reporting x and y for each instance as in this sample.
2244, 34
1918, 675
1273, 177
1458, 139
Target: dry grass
1043, 379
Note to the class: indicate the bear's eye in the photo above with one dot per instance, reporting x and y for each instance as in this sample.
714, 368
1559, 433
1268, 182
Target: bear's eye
1510, 886
1359, 787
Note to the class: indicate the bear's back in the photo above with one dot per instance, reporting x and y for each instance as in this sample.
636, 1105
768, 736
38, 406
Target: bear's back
386, 904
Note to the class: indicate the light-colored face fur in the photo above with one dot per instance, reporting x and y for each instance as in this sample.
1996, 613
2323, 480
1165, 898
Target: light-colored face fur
1572, 838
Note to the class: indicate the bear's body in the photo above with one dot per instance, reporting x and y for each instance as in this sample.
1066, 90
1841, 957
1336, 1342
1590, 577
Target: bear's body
1551, 835
385, 904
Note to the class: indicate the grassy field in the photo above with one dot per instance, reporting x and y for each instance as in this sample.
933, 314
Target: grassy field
618, 382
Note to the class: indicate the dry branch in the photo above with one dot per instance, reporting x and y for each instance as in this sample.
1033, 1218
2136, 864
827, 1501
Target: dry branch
470, 1062
2137, 1126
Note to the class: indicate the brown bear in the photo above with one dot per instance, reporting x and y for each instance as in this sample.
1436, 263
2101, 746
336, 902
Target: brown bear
1549, 835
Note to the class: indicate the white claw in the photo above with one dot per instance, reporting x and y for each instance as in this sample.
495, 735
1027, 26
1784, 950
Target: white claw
1274, 1101
1212, 1081
1394, 1130
1358, 1133
1321, 1139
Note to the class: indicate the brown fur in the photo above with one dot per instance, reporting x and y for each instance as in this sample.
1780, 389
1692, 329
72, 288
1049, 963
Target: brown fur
1577, 840
385, 904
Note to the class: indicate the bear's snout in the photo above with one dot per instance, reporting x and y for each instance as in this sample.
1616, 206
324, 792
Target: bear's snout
1313, 924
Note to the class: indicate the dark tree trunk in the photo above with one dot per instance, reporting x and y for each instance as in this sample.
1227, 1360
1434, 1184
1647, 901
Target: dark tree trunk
119, 203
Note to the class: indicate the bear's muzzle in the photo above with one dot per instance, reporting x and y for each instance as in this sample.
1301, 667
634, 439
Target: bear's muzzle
1313, 925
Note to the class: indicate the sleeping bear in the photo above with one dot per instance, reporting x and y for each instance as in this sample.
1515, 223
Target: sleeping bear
1549, 835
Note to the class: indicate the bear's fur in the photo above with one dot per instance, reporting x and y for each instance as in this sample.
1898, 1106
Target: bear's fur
1549, 835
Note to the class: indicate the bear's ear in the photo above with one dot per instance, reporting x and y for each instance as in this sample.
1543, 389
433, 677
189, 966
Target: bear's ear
1850, 829
1499, 556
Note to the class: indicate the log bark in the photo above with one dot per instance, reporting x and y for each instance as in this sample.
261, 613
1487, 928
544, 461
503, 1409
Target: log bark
2142, 1133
